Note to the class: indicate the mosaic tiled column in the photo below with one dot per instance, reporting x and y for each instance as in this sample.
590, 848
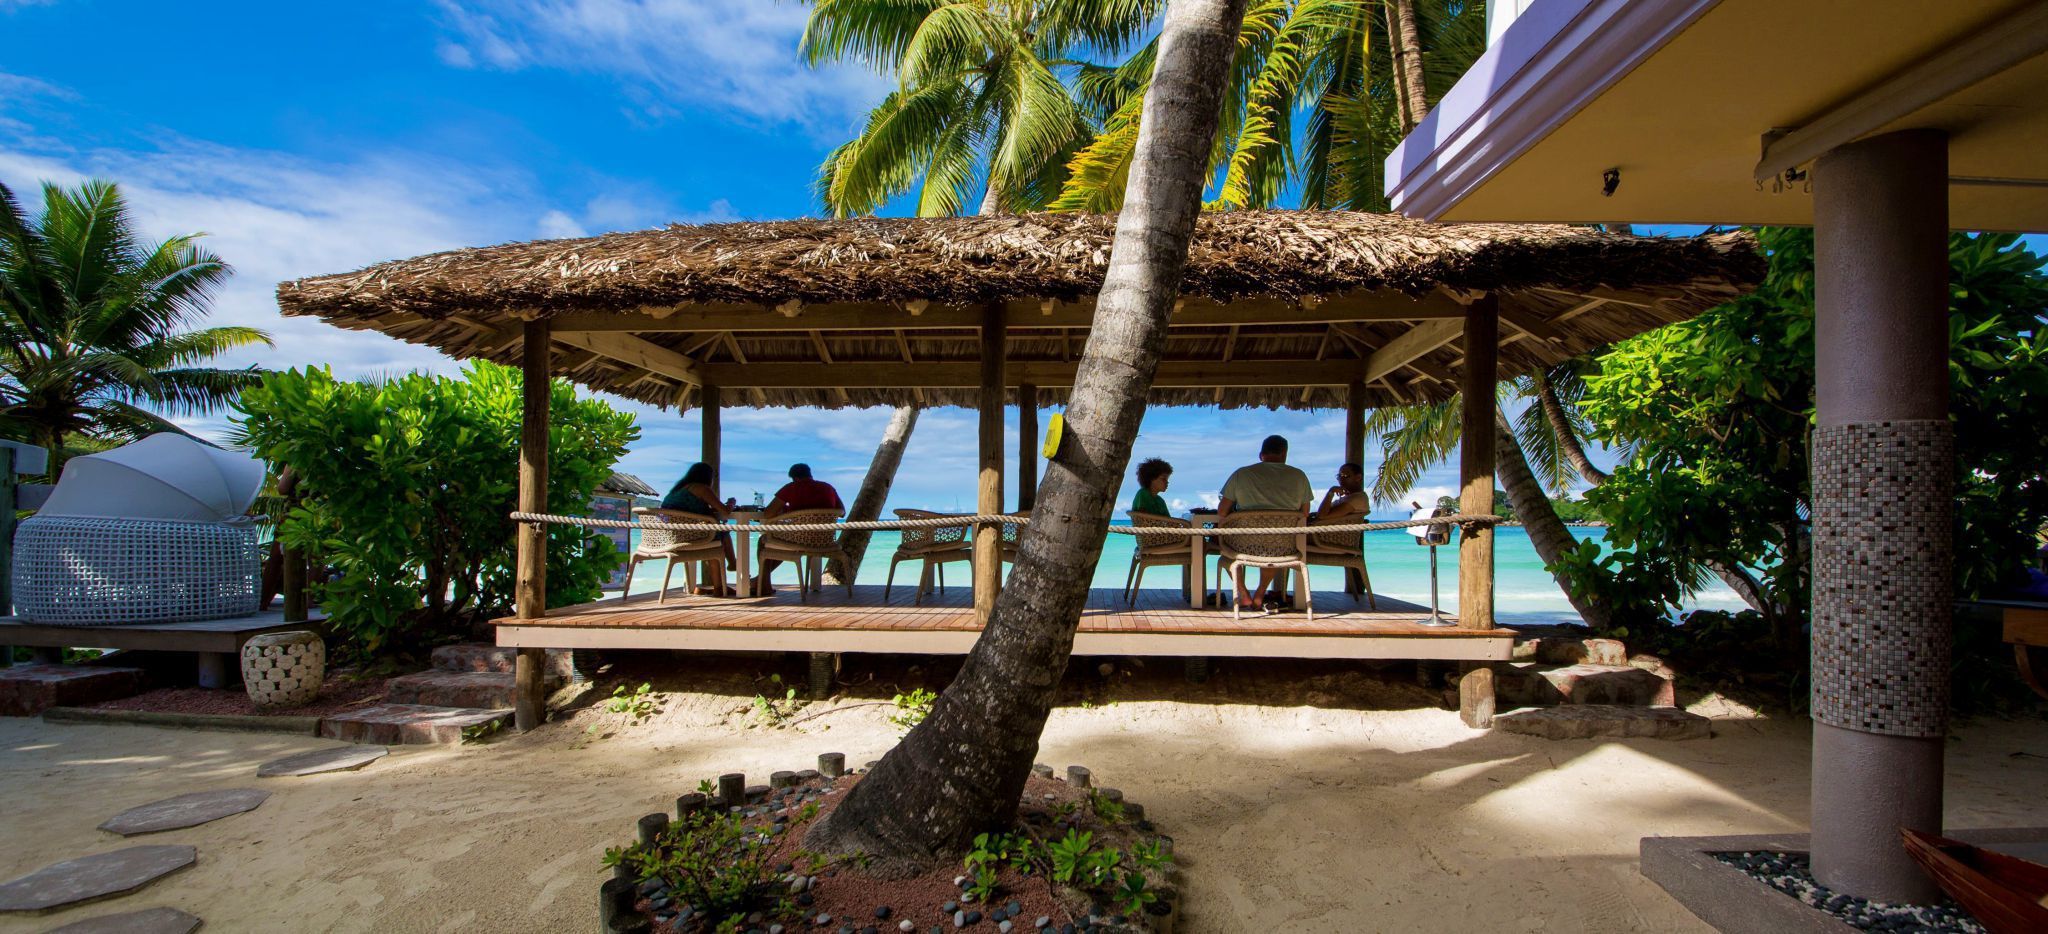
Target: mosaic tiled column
1883, 475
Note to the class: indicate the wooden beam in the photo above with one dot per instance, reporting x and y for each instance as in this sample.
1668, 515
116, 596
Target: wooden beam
927, 375
1530, 324
988, 539
1999, 45
530, 571
1476, 476
1423, 338
1018, 313
636, 351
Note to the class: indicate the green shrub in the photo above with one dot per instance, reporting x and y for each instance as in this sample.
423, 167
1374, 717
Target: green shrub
405, 487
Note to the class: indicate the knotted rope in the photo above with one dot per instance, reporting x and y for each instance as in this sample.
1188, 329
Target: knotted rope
947, 522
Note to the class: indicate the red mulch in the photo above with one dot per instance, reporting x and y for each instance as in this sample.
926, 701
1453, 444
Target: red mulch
341, 691
851, 896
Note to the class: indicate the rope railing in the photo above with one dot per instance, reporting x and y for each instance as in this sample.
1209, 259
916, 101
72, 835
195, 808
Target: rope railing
948, 522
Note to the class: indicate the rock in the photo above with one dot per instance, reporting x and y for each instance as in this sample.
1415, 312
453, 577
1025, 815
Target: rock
1527, 685
882, 912
822, 920
1043, 921
1004, 926
906, 926
146, 921
487, 690
959, 919
950, 907
1015, 908
805, 899
1586, 721
190, 810
480, 657
401, 724
97, 876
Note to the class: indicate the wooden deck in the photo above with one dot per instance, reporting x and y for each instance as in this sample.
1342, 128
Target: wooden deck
1161, 623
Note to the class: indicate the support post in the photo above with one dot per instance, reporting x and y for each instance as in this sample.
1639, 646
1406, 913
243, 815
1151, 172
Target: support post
530, 586
1475, 473
1883, 477
1354, 423
988, 539
297, 604
712, 441
8, 488
1027, 446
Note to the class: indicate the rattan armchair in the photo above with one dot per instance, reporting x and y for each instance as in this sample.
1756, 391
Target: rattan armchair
934, 548
1344, 550
805, 548
1156, 550
689, 547
1283, 550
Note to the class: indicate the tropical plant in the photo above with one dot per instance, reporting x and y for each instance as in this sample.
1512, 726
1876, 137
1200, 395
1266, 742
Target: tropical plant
963, 769
981, 103
1320, 93
405, 488
95, 322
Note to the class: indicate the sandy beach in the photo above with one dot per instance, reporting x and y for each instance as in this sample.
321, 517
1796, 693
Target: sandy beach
1340, 802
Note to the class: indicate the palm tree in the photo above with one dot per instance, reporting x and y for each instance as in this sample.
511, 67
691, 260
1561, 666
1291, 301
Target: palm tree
980, 102
960, 772
1331, 63
93, 321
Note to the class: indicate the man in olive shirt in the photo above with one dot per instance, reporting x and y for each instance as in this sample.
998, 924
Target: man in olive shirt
1269, 484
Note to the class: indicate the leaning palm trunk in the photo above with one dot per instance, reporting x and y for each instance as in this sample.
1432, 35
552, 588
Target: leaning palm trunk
1567, 436
960, 772
1539, 518
874, 492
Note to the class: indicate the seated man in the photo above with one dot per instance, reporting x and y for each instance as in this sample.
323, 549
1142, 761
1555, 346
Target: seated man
801, 492
1269, 484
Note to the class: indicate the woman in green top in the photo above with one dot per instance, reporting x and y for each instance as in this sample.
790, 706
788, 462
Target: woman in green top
1152, 477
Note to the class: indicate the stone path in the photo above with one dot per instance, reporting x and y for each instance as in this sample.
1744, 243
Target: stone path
90, 877
401, 724
337, 759
184, 811
146, 921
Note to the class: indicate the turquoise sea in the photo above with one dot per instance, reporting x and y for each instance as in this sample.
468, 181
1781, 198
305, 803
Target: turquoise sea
1523, 591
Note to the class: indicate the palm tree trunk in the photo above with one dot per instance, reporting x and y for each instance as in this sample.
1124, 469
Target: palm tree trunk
1408, 54
992, 197
1567, 437
1399, 81
1546, 531
874, 491
960, 772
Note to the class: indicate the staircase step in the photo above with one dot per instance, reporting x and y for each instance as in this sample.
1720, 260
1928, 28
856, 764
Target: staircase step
476, 656
1587, 721
1558, 650
407, 724
1537, 685
435, 688
28, 690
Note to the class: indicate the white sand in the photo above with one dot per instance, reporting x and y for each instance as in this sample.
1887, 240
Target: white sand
1287, 818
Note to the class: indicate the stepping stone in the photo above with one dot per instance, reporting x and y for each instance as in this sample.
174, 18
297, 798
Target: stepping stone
27, 690
90, 877
190, 810
146, 921
335, 759
397, 724
1525, 684
489, 690
1586, 721
473, 656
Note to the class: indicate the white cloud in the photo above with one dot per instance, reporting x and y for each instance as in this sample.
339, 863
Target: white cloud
555, 225
738, 55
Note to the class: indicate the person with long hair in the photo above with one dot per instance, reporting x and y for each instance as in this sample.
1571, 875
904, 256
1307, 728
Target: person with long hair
696, 492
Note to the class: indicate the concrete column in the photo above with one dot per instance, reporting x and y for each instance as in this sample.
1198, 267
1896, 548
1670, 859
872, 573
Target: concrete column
1883, 475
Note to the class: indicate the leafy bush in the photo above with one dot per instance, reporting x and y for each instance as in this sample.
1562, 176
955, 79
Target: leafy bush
405, 490
714, 863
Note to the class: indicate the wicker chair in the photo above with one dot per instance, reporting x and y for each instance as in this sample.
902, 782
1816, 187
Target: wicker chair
1156, 550
672, 545
1013, 533
1276, 550
803, 548
933, 547
1343, 550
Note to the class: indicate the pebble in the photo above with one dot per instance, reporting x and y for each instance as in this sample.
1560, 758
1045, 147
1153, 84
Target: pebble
959, 919
1004, 926
973, 917
804, 899
1043, 921
950, 907
1068, 928
1015, 908
775, 929
959, 880
905, 926
882, 912
1792, 874
822, 919
999, 915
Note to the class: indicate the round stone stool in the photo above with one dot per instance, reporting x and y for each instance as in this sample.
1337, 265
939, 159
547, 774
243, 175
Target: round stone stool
283, 669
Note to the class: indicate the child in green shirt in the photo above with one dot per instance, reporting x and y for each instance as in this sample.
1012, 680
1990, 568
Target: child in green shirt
1152, 478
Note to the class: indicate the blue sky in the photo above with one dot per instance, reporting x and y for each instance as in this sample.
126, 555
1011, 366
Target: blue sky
307, 140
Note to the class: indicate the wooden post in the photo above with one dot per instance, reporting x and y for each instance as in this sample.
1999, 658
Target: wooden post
530, 587
988, 539
1475, 471
297, 605
709, 451
1354, 423
7, 500
1027, 446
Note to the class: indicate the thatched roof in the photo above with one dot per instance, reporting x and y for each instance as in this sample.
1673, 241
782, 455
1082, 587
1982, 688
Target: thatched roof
1281, 308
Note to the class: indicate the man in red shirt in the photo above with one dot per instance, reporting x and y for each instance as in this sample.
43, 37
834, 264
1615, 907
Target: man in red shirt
801, 492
